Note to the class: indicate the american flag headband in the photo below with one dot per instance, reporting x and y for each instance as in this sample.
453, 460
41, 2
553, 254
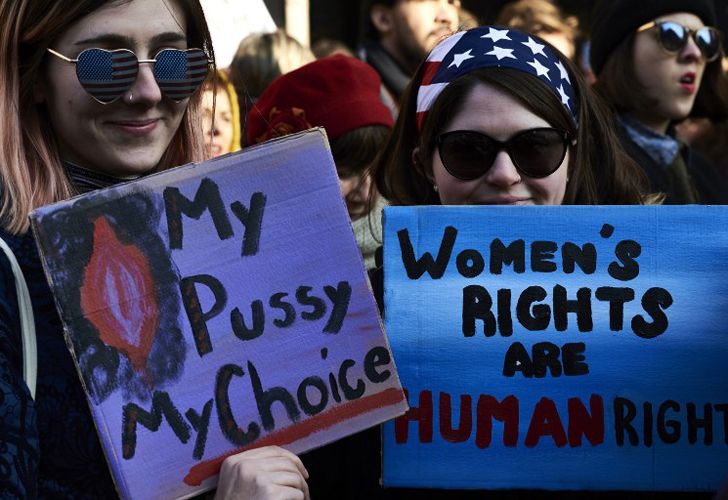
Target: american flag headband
492, 47
107, 74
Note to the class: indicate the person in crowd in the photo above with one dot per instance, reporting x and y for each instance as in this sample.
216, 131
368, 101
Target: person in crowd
63, 134
545, 19
477, 127
657, 65
340, 94
260, 59
467, 19
220, 116
505, 128
706, 136
329, 46
397, 34
708, 139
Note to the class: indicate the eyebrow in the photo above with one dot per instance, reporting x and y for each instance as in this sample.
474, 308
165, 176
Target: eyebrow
127, 41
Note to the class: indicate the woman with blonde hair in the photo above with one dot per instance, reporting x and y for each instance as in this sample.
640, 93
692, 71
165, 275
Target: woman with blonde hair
220, 116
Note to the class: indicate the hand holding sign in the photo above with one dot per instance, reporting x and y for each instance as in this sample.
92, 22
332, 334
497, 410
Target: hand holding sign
207, 319
263, 473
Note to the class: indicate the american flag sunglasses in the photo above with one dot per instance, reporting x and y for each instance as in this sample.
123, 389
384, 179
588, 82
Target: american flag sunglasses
107, 74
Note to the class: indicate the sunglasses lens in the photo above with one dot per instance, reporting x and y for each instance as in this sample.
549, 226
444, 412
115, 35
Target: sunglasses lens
180, 72
673, 36
539, 152
105, 74
709, 42
466, 155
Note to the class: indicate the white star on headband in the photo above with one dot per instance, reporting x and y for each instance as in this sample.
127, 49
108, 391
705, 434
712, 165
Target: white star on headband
564, 97
563, 73
536, 48
541, 70
459, 58
496, 35
501, 53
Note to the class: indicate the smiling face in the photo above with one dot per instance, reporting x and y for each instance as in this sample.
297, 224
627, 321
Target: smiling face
671, 81
496, 114
129, 136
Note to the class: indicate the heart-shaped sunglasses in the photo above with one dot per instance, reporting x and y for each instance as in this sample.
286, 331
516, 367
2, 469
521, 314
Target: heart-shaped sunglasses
107, 74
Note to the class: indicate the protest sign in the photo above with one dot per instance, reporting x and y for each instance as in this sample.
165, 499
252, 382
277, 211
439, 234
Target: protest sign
230, 21
218, 307
558, 347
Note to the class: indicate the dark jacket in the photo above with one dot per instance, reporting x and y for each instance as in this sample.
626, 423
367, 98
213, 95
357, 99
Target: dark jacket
48, 447
711, 185
393, 75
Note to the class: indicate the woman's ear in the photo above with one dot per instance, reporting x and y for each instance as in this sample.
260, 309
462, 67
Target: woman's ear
419, 166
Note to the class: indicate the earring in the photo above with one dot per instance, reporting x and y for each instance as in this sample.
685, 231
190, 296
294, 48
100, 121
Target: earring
131, 97
434, 186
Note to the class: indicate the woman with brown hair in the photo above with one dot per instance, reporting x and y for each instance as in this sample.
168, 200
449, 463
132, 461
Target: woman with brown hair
488, 120
492, 116
657, 65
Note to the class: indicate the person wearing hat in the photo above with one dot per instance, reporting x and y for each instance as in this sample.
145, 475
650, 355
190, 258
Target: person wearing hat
656, 65
340, 94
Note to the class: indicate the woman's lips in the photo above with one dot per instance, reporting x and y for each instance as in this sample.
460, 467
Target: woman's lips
504, 200
135, 127
688, 83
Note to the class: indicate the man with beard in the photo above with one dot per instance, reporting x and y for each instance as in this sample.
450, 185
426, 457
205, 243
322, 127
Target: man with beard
399, 33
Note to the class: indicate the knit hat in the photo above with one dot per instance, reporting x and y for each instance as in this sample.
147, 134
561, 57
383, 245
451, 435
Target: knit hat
615, 20
339, 93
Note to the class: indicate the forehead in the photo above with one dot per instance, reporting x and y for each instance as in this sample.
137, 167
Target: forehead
685, 18
414, 9
494, 112
221, 97
135, 21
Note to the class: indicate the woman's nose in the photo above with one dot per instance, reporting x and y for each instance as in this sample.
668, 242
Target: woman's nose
691, 51
145, 89
503, 171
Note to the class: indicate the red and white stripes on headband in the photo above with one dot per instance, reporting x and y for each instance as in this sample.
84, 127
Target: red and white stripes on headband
492, 47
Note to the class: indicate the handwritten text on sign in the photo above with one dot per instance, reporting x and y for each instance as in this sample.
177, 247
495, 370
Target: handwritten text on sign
217, 307
584, 341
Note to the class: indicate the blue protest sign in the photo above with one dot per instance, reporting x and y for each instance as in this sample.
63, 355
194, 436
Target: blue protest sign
558, 347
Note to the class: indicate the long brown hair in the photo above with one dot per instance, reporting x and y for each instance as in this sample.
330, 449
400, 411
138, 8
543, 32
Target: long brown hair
31, 172
618, 85
600, 172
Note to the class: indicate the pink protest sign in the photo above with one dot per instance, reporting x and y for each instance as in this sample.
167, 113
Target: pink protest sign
218, 307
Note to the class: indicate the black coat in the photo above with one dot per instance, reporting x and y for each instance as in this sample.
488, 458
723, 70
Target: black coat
712, 186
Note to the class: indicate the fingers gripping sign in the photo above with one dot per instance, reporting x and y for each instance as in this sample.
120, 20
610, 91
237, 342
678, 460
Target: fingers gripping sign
270, 472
